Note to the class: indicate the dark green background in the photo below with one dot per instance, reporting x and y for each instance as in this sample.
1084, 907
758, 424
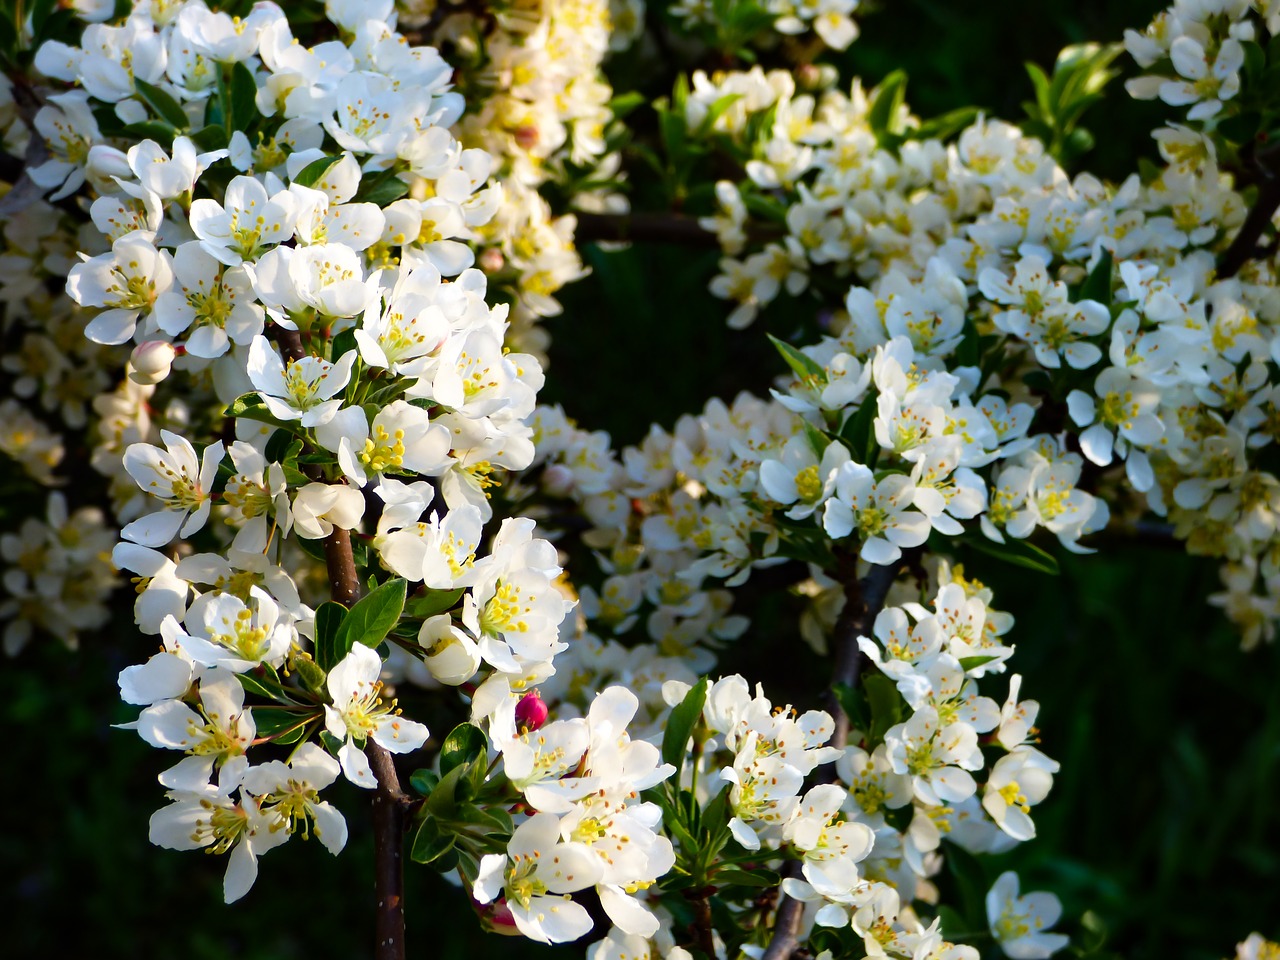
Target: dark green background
1163, 819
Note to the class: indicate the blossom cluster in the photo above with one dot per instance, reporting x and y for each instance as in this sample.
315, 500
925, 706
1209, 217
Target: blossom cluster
283, 345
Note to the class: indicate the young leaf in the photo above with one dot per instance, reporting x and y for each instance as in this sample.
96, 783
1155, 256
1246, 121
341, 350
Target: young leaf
885, 704
684, 716
465, 743
243, 98
802, 365
1098, 285
329, 618
1017, 552
166, 108
309, 175
429, 843
432, 603
424, 781
371, 618
886, 100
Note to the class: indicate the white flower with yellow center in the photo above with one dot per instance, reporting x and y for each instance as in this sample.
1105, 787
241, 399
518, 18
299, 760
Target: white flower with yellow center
302, 389
288, 796
401, 439
535, 875
178, 480
1019, 924
225, 631
216, 730
879, 513
212, 821
127, 282
359, 713
246, 224
1018, 782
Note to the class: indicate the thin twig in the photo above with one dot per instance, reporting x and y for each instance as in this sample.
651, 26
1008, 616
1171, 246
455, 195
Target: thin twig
863, 600
390, 803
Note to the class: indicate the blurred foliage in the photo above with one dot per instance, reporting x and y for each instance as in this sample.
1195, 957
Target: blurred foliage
1163, 821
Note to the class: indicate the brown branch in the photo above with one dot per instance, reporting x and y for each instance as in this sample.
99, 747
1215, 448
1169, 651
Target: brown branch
863, 601
702, 926
786, 922
389, 813
390, 803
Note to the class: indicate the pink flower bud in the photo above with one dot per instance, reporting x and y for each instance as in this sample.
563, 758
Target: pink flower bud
558, 480
150, 362
491, 260
527, 137
531, 712
497, 918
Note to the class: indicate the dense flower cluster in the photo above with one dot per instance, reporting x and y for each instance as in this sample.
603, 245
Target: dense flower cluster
281, 350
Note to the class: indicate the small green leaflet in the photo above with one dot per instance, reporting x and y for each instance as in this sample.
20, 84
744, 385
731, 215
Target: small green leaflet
684, 716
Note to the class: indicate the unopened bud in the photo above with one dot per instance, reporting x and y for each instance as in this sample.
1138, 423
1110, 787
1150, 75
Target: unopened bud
151, 361
531, 711
558, 480
497, 918
309, 672
526, 137
491, 260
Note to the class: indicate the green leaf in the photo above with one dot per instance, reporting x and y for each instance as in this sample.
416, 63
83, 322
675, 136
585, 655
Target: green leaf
167, 108
429, 843
309, 175
624, 103
371, 618
1040, 81
714, 112
684, 716
884, 114
1098, 286
384, 192
972, 663
212, 137
443, 801
465, 743
726, 876
802, 365
270, 721
329, 618
433, 603
854, 704
885, 704
1020, 553
424, 781
264, 682
858, 432
249, 406
945, 125
818, 440
157, 130
243, 109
